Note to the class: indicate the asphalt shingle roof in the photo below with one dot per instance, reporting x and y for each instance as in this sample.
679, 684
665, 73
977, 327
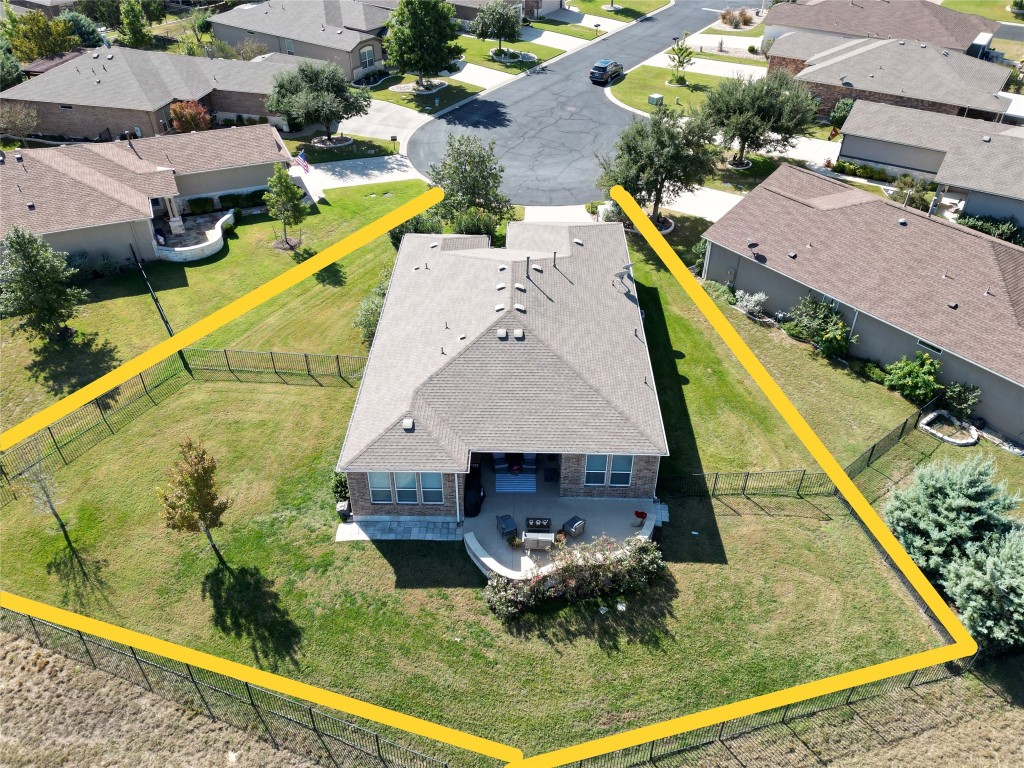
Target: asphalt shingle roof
908, 19
339, 24
579, 381
995, 166
850, 245
89, 185
898, 67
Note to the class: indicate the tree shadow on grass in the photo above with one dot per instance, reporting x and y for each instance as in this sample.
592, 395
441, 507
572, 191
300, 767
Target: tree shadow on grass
430, 564
79, 575
245, 605
65, 368
332, 275
644, 620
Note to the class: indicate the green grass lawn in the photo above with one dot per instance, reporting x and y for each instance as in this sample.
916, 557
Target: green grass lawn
454, 93
635, 86
743, 610
478, 52
872, 188
624, 11
362, 146
821, 131
990, 9
1013, 49
565, 28
731, 59
755, 31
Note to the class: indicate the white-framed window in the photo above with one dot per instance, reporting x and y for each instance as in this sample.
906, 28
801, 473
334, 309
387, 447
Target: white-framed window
620, 472
66, 107
597, 464
289, 47
930, 347
380, 487
366, 57
405, 488
432, 487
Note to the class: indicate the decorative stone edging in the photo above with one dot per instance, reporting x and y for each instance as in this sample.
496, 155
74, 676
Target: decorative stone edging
332, 143
416, 90
516, 56
923, 425
671, 225
745, 165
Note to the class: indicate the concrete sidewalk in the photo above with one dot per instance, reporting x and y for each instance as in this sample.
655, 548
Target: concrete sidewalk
711, 67
352, 173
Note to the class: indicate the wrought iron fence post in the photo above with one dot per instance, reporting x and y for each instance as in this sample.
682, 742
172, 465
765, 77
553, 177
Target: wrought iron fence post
380, 754
199, 691
273, 362
103, 416
743, 490
871, 453
145, 388
259, 714
57, 446
143, 671
88, 653
650, 755
337, 362
227, 361
785, 713
913, 675
721, 730
308, 371
312, 720
800, 483
714, 484
849, 696
35, 631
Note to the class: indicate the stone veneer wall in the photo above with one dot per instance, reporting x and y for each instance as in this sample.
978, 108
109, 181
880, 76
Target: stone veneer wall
360, 505
642, 486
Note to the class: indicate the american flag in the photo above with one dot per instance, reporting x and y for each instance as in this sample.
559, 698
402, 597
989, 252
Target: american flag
300, 160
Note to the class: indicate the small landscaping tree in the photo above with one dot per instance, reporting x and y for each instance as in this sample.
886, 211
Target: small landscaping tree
681, 56
317, 93
914, 379
191, 501
34, 35
284, 202
369, 311
35, 286
189, 116
912, 192
106, 13
960, 399
497, 21
947, 508
661, 157
839, 113
470, 175
198, 23
83, 28
247, 50
134, 27
760, 115
421, 37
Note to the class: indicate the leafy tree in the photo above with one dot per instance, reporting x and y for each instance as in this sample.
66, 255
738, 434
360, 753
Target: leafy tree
914, 379
421, 37
191, 501
10, 70
369, 311
839, 113
317, 93
106, 13
35, 286
681, 56
134, 27
960, 399
284, 200
497, 21
198, 23
34, 35
425, 223
761, 115
17, 119
987, 588
154, 10
912, 192
470, 175
249, 49
661, 157
946, 509
189, 116
83, 28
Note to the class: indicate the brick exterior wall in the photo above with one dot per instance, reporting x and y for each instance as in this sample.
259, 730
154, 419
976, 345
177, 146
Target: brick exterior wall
830, 94
89, 122
642, 483
231, 103
793, 66
360, 504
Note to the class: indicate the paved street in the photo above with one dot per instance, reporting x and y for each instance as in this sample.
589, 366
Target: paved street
549, 127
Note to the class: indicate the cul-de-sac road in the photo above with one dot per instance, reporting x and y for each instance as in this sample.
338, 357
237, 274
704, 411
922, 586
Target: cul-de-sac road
549, 127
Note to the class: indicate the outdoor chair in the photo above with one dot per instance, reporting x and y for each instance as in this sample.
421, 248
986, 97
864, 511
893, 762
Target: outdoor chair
574, 526
507, 526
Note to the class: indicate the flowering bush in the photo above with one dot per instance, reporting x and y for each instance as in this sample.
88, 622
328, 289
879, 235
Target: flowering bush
751, 303
914, 379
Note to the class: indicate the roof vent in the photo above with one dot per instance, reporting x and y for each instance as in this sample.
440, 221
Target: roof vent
792, 254
97, 81
520, 308
537, 268
903, 222
499, 307
95, 55
952, 305
502, 334
520, 287
434, 244
110, 56
986, 139
519, 334
408, 425
577, 241
462, 337
501, 286
924, 45
502, 267
903, 42
945, 53
18, 158
30, 206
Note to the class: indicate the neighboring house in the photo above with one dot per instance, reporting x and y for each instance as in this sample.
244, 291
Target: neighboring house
45, 64
976, 162
917, 20
900, 72
50, 7
536, 349
109, 91
906, 282
103, 198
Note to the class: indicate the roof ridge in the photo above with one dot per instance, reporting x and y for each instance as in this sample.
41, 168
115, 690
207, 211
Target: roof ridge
1010, 267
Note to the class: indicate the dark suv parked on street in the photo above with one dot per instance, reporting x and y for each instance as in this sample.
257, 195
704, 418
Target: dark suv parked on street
604, 71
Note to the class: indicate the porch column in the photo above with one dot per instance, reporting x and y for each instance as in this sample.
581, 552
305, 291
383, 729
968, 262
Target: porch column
174, 216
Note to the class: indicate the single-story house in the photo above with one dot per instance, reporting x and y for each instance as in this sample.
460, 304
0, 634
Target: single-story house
45, 64
108, 91
905, 281
108, 198
917, 20
49, 7
977, 163
900, 72
529, 357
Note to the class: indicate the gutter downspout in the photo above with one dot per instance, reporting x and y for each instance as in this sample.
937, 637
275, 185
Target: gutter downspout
856, 315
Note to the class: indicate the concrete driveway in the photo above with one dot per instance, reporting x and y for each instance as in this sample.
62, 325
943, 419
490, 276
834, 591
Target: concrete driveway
352, 173
549, 127
384, 121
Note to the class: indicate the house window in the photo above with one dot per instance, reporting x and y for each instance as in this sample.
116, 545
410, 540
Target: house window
621, 470
431, 487
930, 347
289, 47
66, 107
380, 487
597, 463
366, 57
405, 487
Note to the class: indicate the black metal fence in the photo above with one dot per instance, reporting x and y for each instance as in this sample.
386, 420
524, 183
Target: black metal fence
71, 436
284, 722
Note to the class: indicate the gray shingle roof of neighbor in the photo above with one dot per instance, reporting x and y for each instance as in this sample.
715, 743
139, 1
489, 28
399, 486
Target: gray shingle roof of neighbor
851, 245
898, 67
88, 185
148, 80
909, 19
338, 24
579, 380
995, 166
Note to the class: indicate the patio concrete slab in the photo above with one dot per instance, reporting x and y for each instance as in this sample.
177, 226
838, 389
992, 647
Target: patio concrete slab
710, 204
352, 173
484, 77
551, 39
560, 214
711, 67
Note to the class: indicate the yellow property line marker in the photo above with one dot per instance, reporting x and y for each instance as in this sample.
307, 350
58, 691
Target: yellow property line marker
222, 316
259, 677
